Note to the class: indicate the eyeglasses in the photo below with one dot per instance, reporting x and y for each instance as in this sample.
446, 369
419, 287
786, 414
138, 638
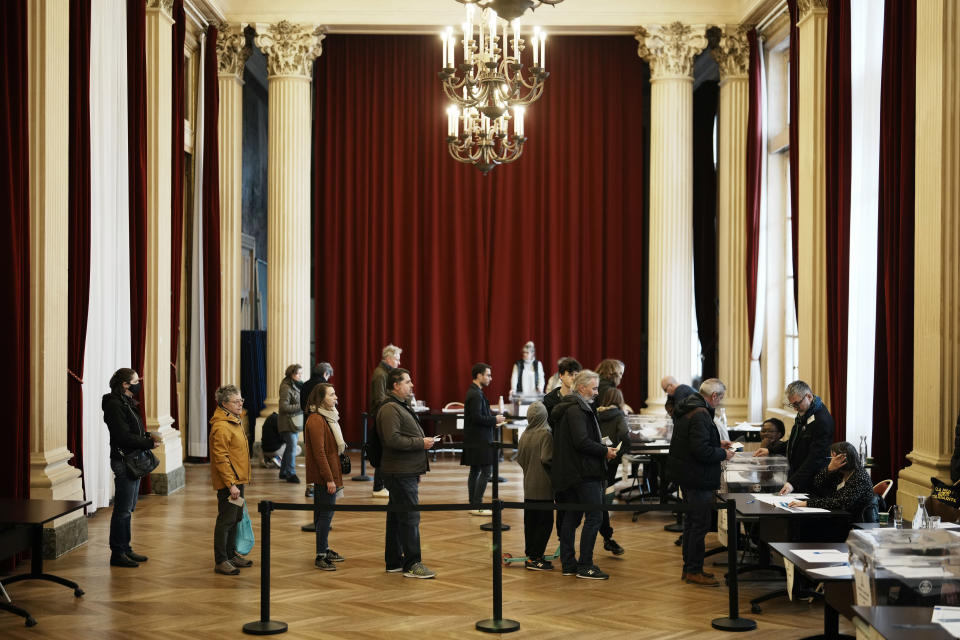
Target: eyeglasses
235, 401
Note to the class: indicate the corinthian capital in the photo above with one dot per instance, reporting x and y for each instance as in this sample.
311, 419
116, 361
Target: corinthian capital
671, 48
290, 48
805, 7
165, 6
232, 50
732, 52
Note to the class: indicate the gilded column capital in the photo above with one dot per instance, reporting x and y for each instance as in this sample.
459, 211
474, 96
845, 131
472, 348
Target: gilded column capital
290, 48
732, 53
163, 6
232, 50
670, 49
806, 7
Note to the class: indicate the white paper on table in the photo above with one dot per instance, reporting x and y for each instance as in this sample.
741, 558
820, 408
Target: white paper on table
918, 572
821, 556
949, 525
772, 499
785, 506
789, 566
945, 614
953, 628
838, 571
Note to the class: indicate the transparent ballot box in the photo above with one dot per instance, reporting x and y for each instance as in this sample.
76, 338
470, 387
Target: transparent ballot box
909, 567
649, 429
745, 474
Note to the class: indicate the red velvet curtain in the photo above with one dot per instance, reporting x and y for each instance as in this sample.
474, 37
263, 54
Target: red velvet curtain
705, 251
794, 115
78, 204
893, 379
413, 248
176, 201
837, 236
754, 169
15, 239
211, 220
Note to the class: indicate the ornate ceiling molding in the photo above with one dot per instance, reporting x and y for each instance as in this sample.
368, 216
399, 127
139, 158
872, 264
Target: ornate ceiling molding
290, 48
670, 49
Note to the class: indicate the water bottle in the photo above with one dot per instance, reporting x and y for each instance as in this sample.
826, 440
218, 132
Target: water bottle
921, 520
863, 451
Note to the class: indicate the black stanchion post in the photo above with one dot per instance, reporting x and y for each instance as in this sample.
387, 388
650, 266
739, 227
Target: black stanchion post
495, 524
734, 622
497, 624
363, 477
265, 626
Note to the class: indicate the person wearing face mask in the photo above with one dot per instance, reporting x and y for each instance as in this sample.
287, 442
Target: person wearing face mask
126, 436
230, 472
577, 472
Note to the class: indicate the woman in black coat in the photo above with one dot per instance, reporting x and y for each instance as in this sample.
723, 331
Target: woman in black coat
126, 436
613, 425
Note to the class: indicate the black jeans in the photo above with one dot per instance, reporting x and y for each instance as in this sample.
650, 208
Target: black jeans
377, 479
126, 490
587, 492
477, 482
695, 527
537, 526
225, 532
322, 519
402, 541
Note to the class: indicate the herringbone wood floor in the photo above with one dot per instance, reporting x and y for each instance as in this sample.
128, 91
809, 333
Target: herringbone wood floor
177, 595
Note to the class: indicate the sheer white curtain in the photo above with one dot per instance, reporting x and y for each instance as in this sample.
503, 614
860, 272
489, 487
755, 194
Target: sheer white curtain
197, 397
866, 54
108, 324
755, 398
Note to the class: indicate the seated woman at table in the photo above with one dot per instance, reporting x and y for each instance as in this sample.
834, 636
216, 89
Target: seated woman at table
844, 485
771, 432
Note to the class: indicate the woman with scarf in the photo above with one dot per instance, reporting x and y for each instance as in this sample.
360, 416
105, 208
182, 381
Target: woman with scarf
324, 444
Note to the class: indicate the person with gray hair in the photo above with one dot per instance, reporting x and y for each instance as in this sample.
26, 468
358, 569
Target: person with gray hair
577, 473
389, 360
806, 448
696, 452
534, 453
527, 378
230, 472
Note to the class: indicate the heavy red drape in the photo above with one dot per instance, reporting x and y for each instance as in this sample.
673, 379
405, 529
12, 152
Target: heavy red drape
794, 115
414, 248
176, 201
705, 250
893, 379
210, 203
838, 110
78, 204
754, 169
15, 239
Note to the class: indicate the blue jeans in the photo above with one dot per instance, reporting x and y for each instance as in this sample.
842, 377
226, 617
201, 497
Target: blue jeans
477, 482
288, 463
322, 519
695, 527
587, 492
402, 541
126, 490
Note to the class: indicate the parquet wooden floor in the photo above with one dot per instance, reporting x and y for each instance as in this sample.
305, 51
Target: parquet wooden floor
177, 595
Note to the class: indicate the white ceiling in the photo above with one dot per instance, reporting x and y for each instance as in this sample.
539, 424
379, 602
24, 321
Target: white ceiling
428, 16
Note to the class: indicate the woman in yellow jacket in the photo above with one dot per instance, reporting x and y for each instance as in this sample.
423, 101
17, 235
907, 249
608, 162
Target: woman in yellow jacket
230, 471
324, 444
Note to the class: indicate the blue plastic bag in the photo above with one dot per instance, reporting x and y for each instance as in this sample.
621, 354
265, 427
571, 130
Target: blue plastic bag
245, 539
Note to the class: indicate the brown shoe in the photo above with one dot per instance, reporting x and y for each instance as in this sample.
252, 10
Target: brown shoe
702, 579
226, 568
683, 574
240, 562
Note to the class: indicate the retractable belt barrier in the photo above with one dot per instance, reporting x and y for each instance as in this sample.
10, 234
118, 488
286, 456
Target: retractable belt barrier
496, 624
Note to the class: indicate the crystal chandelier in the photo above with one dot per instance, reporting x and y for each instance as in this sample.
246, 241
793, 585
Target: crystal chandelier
489, 88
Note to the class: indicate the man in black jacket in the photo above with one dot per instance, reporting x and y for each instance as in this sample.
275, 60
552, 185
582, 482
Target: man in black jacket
808, 447
567, 369
390, 359
478, 424
696, 452
577, 472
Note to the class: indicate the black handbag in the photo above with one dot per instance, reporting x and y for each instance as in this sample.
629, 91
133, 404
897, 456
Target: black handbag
345, 464
140, 463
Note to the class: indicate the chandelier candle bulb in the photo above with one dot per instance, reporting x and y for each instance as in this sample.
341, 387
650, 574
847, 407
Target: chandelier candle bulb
516, 40
536, 45
518, 121
543, 50
493, 35
451, 41
443, 36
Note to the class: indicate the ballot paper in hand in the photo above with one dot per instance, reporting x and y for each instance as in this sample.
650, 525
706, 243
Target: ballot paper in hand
237, 502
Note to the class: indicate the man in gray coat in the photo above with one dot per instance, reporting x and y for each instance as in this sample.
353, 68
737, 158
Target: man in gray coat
404, 461
389, 360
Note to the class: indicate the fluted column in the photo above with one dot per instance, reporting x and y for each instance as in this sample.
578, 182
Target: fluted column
733, 56
290, 50
936, 339
170, 475
51, 475
812, 263
232, 54
670, 50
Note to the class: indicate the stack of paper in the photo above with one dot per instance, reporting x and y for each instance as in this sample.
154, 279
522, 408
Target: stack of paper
948, 618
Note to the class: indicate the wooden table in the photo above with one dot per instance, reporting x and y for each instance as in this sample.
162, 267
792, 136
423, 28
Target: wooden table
901, 623
837, 592
27, 518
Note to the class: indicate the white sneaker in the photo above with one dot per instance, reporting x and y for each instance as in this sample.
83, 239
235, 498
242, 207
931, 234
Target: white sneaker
383, 493
481, 512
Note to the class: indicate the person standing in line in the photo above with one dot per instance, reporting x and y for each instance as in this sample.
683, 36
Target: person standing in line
527, 378
389, 360
696, 452
534, 454
611, 373
321, 372
404, 461
323, 441
126, 436
613, 426
230, 472
567, 370
478, 426
577, 473
290, 421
